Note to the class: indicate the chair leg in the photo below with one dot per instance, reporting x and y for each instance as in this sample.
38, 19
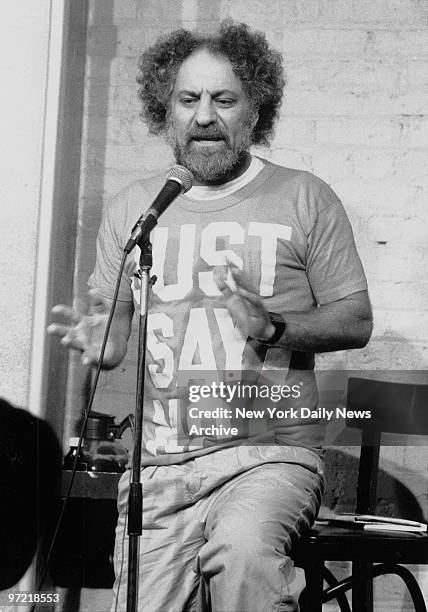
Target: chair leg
311, 598
408, 579
362, 593
331, 580
356, 582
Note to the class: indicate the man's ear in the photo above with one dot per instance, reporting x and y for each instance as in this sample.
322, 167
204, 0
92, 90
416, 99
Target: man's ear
254, 117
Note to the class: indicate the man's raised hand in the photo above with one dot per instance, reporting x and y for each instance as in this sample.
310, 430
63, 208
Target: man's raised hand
244, 303
83, 333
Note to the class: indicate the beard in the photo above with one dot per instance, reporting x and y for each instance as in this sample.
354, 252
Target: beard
211, 164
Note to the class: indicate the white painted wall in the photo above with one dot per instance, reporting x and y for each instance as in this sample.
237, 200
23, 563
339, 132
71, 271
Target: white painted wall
24, 40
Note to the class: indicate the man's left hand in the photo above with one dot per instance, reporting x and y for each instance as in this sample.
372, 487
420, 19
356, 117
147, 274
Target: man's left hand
244, 304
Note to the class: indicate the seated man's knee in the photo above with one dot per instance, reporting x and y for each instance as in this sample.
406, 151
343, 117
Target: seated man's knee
238, 543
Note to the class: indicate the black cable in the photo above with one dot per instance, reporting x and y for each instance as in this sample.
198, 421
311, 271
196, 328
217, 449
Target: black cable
83, 428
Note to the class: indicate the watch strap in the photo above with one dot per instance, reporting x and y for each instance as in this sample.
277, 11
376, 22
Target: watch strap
279, 325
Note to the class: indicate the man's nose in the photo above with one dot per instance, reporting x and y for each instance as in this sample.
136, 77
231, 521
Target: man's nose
205, 114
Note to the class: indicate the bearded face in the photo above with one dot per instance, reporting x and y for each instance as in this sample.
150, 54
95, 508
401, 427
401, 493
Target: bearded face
208, 152
210, 120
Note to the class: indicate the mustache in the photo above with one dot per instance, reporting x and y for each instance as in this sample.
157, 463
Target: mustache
209, 133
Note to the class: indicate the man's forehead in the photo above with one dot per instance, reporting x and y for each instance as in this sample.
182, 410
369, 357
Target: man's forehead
204, 70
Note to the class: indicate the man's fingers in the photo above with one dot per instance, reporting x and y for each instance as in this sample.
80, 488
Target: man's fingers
255, 300
242, 279
243, 302
71, 337
77, 332
224, 287
67, 312
75, 343
57, 329
233, 297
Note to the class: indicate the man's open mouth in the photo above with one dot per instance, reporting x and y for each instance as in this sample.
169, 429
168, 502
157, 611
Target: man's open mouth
207, 138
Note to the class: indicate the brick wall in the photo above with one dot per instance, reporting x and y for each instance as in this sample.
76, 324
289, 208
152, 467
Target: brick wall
355, 113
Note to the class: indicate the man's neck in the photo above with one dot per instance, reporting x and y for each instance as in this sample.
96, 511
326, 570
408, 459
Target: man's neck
242, 165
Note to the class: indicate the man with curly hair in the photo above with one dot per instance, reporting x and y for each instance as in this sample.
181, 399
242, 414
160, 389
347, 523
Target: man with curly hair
256, 271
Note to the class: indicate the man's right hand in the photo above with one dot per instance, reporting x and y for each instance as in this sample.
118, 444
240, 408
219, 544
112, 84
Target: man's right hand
85, 333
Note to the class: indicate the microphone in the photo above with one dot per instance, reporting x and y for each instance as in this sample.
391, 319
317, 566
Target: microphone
178, 180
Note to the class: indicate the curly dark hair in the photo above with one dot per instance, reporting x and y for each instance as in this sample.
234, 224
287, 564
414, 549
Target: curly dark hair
257, 66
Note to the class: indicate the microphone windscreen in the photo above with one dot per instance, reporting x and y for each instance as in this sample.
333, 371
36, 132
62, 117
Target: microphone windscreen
182, 175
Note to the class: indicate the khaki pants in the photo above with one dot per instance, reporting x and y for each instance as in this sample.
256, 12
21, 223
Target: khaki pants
217, 530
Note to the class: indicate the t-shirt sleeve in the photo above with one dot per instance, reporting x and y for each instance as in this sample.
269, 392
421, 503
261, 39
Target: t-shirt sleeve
110, 243
334, 267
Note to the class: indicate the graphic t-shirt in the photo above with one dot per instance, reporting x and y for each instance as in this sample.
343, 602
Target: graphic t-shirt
289, 232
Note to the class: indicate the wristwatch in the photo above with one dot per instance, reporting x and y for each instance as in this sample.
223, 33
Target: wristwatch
279, 325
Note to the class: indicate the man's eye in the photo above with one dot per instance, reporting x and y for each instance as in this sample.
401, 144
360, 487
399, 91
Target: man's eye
225, 101
188, 101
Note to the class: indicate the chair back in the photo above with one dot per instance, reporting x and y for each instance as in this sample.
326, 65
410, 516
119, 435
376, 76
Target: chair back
394, 408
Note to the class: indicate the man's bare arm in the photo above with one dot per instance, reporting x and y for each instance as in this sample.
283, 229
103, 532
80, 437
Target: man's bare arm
343, 324
339, 325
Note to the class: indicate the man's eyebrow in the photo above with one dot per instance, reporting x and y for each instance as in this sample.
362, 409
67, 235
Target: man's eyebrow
224, 92
215, 93
187, 92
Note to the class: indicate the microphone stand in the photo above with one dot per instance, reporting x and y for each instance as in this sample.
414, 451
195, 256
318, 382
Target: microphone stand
135, 499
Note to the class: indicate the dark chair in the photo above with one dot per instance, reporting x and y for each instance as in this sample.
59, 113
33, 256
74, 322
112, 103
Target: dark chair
395, 408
